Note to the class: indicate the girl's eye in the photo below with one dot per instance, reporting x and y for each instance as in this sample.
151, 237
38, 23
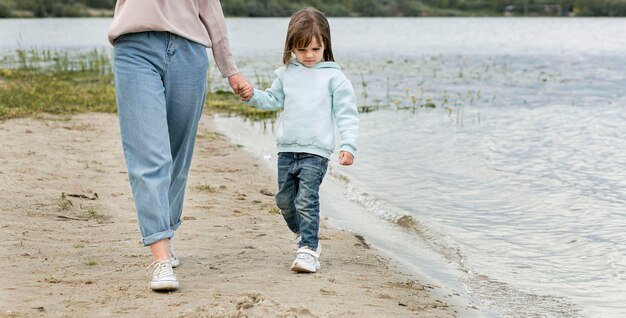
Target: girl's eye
316, 49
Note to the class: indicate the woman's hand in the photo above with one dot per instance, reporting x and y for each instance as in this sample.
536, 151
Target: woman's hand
236, 82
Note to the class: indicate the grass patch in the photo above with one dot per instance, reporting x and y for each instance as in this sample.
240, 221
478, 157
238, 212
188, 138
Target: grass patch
92, 213
86, 212
229, 103
205, 188
91, 263
68, 82
64, 204
29, 92
55, 82
274, 210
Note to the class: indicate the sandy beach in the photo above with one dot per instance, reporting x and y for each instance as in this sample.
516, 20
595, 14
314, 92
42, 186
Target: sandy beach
71, 242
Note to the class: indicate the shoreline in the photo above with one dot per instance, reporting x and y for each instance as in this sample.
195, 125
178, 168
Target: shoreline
84, 257
407, 253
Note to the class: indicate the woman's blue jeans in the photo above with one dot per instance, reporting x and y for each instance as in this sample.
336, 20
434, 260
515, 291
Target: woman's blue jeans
299, 178
160, 87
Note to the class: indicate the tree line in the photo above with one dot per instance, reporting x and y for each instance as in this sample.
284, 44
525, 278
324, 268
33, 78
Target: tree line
54, 8
339, 8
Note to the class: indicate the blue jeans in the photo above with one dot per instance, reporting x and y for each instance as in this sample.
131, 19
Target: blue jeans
299, 178
160, 87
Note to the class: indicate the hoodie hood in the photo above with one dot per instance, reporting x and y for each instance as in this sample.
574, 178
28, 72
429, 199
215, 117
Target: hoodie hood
334, 65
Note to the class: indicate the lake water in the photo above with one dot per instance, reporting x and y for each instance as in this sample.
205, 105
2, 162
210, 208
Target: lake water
510, 192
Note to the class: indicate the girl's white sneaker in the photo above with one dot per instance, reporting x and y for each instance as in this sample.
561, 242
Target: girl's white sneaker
307, 261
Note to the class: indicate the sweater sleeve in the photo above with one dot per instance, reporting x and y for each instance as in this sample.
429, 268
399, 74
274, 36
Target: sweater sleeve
212, 17
271, 98
346, 115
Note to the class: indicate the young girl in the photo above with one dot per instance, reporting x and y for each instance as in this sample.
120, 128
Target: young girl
314, 95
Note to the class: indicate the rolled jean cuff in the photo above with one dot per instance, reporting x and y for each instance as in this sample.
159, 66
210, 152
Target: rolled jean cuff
175, 226
158, 237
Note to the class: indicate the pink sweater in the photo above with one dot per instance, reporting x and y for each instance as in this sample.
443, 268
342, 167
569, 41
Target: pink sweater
200, 21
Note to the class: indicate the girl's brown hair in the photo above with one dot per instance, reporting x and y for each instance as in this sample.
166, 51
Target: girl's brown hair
303, 26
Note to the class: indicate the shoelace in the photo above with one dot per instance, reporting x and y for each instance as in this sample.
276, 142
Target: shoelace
159, 269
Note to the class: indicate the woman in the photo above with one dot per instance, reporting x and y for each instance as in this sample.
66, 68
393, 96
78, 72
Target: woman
160, 67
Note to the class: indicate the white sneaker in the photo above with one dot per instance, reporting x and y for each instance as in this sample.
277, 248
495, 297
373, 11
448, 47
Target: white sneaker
307, 260
173, 259
163, 277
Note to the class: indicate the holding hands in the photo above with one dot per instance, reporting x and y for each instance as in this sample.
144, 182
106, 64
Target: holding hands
240, 86
246, 91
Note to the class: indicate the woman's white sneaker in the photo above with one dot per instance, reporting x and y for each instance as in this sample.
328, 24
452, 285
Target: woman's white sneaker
173, 259
163, 277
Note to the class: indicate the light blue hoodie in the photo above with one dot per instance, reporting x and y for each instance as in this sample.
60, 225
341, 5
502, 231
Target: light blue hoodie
313, 100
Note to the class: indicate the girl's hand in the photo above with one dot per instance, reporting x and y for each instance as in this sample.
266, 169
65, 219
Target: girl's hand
345, 158
245, 91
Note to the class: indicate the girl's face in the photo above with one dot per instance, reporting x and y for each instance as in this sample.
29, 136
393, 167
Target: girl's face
310, 55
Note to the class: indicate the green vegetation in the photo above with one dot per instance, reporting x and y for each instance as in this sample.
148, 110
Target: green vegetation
228, 103
274, 210
205, 188
55, 82
357, 8
64, 83
90, 263
56, 8
92, 213
64, 203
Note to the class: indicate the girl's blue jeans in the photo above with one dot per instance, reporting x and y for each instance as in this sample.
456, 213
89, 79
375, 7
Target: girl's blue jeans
160, 87
299, 178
